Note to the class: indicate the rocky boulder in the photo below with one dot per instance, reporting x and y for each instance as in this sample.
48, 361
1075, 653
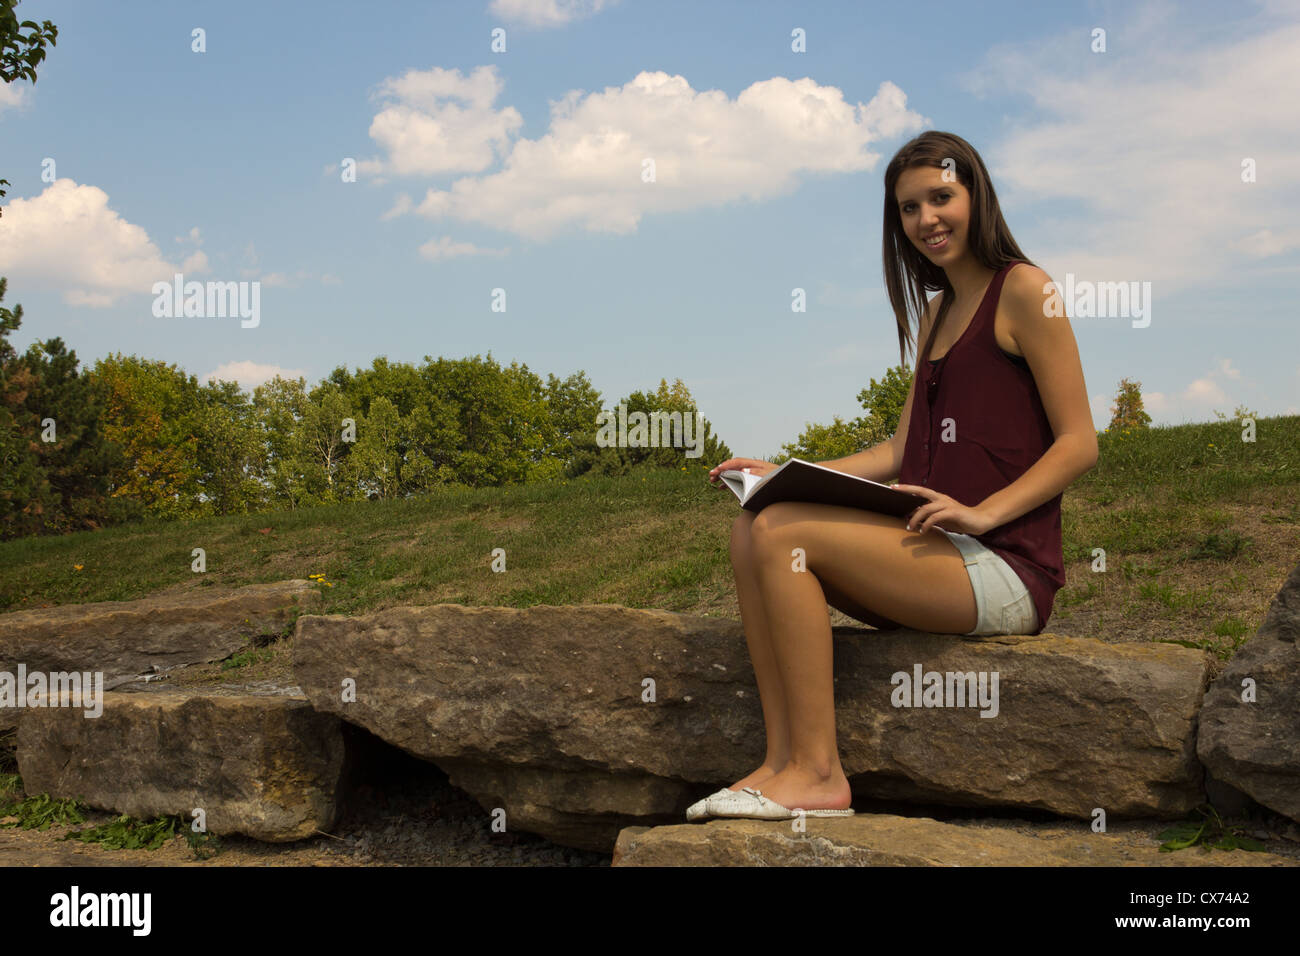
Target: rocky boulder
578, 721
264, 765
883, 839
1250, 723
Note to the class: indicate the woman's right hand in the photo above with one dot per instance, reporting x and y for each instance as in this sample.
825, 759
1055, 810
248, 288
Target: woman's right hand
755, 466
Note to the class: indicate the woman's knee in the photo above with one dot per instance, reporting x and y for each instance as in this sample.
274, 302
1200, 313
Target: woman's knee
772, 520
741, 535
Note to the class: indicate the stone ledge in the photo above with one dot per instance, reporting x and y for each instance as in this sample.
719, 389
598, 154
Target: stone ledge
880, 839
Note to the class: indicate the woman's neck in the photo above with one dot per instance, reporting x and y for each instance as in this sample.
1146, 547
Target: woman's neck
968, 279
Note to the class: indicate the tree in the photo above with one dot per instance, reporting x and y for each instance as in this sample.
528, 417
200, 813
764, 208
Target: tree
375, 463
19, 54
150, 410
569, 436
324, 448
279, 407
1127, 413
663, 410
488, 418
24, 490
884, 402
229, 454
825, 442
53, 458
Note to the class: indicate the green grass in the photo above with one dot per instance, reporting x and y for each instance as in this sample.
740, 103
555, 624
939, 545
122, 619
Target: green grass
41, 811
1209, 833
127, 833
1162, 503
246, 659
644, 540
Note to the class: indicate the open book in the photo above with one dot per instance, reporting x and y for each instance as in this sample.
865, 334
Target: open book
799, 480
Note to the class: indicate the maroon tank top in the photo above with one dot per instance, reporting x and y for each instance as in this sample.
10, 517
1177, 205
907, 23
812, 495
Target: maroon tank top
977, 424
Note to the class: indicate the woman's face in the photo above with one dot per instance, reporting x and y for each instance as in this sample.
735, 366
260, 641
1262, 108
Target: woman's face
930, 207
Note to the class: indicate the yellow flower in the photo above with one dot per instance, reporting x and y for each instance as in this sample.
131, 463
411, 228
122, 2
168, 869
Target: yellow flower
77, 567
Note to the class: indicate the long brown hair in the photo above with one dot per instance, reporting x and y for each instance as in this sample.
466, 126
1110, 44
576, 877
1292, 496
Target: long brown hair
909, 274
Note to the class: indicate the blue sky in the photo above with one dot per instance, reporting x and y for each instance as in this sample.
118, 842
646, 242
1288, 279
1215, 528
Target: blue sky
521, 170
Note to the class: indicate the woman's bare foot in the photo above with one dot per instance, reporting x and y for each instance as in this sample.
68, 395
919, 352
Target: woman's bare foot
800, 788
761, 775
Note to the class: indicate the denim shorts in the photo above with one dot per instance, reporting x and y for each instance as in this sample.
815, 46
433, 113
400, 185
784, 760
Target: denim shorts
1003, 604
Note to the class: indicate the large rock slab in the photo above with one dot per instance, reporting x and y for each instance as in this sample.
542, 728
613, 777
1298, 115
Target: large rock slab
264, 765
883, 839
1254, 746
546, 712
122, 639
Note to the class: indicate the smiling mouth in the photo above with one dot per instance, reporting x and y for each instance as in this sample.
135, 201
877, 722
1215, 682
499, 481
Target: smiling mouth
938, 238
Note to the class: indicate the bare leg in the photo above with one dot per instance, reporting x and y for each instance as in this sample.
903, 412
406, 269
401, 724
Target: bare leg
753, 617
867, 561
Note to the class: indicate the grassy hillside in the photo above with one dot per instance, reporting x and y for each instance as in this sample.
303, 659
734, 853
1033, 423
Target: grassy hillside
1199, 528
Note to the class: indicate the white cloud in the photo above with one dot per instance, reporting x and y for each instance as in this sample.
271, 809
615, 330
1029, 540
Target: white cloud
1205, 391
251, 374
1197, 402
707, 150
545, 13
12, 96
1225, 369
1266, 243
68, 238
1155, 404
445, 247
438, 121
1149, 138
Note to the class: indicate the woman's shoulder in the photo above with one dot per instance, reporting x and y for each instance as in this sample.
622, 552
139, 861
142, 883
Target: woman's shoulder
1029, 291
1025, 277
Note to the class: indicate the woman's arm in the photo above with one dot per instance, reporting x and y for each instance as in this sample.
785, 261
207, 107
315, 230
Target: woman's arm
879, 463
1042, 332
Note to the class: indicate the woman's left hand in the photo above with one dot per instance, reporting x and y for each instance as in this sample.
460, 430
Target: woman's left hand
953, 515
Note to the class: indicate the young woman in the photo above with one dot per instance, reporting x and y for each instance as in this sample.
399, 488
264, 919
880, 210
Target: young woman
995, 427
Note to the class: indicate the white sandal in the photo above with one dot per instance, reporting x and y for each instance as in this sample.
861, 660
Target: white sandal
699, 810
750, 804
